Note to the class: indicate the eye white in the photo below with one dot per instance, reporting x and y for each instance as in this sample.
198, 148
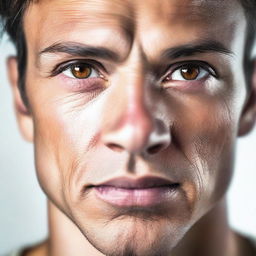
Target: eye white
68, 73
177, 75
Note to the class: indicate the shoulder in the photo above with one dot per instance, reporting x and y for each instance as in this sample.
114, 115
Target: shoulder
247, 245
253, 243
15, 253
40, 249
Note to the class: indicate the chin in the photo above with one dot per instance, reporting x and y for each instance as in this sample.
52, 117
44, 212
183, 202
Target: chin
135, 233
141, 230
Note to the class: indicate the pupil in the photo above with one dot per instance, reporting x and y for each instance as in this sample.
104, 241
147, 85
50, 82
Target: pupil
81, 71
190, 73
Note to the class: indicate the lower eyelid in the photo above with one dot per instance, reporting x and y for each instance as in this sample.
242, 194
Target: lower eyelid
79, 85
186, 86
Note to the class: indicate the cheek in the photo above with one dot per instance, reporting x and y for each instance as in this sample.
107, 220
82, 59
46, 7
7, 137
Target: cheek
65, 130
207, 134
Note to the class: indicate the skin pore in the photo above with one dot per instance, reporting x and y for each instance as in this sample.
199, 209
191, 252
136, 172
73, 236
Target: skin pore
132, 89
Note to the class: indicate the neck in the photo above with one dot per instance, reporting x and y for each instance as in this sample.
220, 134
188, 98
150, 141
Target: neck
210, 236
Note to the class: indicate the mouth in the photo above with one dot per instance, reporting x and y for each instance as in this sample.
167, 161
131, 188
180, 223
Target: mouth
143, 192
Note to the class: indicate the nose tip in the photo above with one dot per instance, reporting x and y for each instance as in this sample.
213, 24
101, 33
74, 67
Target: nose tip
144, 136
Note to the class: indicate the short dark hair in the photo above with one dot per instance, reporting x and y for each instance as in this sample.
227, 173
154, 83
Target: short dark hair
12, 12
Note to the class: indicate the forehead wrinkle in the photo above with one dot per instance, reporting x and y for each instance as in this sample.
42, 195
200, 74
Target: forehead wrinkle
212, 9
93, 13
60, 20
72, 13
194, 11
181, 27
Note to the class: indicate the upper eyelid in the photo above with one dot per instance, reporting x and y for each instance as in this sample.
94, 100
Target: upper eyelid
59, 68
174, 67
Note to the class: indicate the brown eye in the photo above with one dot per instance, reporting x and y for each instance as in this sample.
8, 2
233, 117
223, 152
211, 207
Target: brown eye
190, 72
81, 71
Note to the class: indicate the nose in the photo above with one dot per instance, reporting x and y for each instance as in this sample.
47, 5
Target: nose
133, 125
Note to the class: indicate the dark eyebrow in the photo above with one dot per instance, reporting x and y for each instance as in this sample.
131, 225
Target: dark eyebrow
195, 48
81, 50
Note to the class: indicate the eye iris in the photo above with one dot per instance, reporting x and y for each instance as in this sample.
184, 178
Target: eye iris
81, 71
190, 73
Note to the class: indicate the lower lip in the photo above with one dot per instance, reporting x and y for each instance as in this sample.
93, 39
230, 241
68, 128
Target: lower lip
145, 197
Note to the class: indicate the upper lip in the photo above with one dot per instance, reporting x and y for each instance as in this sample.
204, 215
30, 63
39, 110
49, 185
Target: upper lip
139, 183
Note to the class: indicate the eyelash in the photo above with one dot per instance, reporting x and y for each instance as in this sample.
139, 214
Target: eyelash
60, 68
200, 64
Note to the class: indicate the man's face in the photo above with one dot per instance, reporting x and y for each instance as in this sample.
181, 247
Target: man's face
135, 90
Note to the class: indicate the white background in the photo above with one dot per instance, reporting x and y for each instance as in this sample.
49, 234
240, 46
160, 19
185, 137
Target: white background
23, 205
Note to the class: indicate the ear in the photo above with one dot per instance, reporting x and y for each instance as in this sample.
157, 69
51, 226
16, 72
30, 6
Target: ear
248, 117
23, 115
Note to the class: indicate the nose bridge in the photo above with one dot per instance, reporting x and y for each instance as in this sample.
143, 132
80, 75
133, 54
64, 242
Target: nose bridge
137, 107
132, 124
131, 91
133, 121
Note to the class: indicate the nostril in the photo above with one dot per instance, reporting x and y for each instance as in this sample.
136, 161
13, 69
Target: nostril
154, 149
115, 147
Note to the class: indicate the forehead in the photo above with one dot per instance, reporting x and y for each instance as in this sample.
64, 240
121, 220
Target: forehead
109, 9
124, 10
50, 21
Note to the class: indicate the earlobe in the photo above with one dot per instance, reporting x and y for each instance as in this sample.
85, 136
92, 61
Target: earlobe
23, 115
248, 117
